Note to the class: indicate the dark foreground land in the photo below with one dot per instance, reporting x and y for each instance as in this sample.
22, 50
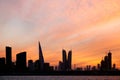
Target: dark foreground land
65, 73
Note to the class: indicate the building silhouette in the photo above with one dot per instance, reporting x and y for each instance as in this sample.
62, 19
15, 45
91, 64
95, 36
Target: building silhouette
65, 65
47, 67
60, 67
40, 67
41, 58
8, 58
2, 64
98, 67
37, 66
21, 62
2, 61
30, 65
106, 63
69, 60
109, 60
64, 59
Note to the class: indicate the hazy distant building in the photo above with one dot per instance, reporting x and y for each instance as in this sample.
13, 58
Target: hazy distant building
21, 62
30, 65
8, 58
60, 67
37, 65
114, 67
106, 64
102, 65
94, 68
41, 58
98, 66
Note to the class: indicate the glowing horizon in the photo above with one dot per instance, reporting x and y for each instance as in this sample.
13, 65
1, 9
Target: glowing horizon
89, 28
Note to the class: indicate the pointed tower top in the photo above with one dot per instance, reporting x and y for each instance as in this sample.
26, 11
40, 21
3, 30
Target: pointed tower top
41, 58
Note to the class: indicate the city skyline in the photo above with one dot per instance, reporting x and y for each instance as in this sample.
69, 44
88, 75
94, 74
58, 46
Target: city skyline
89, 28
40, 66
65, 64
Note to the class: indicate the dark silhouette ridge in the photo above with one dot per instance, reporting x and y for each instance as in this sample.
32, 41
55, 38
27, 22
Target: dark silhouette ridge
40, 67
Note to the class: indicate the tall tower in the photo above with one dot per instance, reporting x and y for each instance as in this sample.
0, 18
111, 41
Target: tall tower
69, 59
8, 57
109, 60
64, 56
64, 59
41, 58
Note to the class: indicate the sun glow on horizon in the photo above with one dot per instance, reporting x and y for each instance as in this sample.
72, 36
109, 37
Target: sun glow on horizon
88, 28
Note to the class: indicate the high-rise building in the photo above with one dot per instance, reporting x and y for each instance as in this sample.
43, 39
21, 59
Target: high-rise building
21, 62
109, 60
8, 57
69, 60
64, 59
106, 64
41, 58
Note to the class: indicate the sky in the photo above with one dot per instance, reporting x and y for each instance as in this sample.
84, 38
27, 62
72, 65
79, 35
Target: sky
90, 28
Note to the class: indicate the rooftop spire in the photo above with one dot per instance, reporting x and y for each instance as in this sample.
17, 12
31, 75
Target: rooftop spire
41, 58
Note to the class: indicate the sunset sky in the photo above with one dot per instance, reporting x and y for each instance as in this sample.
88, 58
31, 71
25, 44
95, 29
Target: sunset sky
90, 28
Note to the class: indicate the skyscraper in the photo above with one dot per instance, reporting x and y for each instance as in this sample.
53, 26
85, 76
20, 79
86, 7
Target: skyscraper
109, 60
21, 62
41, 58
106, 64
66, 64
64, 59
8, 57
69, 59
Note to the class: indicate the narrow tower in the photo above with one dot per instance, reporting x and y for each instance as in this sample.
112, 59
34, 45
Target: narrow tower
109, 60
69, 59
64, 58
8, 57
41, 58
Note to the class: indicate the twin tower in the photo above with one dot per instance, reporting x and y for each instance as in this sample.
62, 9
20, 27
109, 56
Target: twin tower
67, 61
